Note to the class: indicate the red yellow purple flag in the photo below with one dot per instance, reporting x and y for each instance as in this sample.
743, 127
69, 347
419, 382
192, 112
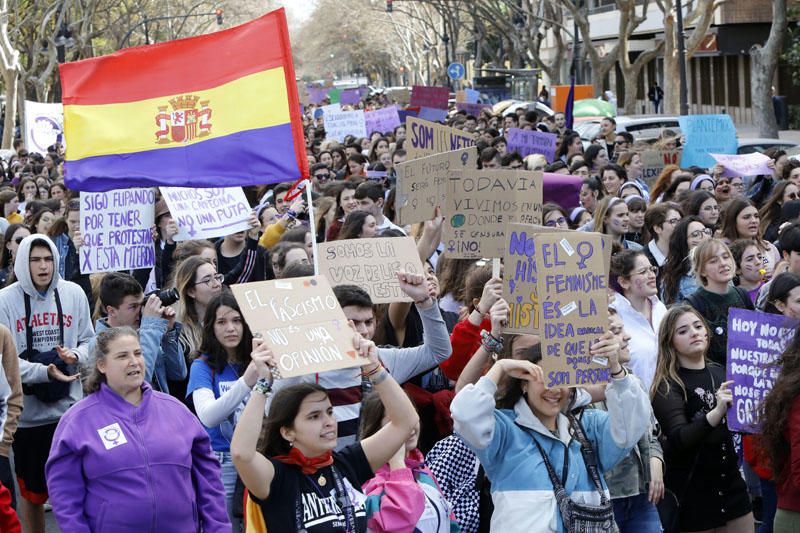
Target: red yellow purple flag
217, 110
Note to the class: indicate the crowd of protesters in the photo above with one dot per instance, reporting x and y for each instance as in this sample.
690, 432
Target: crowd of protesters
142, 401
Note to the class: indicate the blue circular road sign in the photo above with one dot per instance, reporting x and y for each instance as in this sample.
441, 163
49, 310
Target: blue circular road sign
456, 71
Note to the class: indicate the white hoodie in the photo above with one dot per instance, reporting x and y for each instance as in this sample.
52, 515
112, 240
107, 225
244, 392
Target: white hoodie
78, 329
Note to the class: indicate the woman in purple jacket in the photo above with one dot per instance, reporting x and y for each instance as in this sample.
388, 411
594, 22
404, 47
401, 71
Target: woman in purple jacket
129, 459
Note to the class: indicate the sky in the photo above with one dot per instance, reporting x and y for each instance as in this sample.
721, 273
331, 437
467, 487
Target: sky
298, 11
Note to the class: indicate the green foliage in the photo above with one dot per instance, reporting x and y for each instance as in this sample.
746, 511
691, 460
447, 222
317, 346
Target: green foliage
792, 48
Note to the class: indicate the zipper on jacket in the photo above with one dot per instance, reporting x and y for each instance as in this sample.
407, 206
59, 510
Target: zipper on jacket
147, 467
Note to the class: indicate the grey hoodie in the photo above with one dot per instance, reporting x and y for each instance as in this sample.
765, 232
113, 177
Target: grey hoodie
44, 325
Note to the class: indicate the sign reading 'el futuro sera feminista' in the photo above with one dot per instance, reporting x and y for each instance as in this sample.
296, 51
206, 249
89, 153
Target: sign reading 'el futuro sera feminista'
302, 322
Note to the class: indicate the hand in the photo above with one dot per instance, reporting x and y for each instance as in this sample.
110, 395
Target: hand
67, 355
724, 398
77, 239
717, 170
154, 232
170, 230
250, 374
656, 488
492, 291
521, 369
255, 225
607, 346
436, 224
152, 307
263, 358
414, 285
171, 316
365, 349
54, 374
298, 206
499, 316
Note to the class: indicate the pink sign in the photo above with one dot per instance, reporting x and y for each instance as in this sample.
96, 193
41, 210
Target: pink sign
744, 165
435, 97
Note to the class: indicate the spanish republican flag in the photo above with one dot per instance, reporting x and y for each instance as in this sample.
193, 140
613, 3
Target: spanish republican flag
217, 110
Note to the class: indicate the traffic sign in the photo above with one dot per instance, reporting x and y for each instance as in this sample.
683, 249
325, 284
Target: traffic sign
456, 71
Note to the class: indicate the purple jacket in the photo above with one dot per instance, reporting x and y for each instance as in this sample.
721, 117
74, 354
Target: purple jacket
118, 467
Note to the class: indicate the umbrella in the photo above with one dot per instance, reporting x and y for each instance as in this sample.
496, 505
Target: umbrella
593, 107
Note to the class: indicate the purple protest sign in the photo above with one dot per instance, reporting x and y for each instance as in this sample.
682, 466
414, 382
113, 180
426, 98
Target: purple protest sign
471, 108
317, 94
435, 97
755, 342
403, 113
350, 96
527, 142
382, 120
562, 189
432, 115
744, 165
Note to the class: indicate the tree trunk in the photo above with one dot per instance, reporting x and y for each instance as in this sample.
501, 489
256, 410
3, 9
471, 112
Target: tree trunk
10, 78
672, 87
763, 63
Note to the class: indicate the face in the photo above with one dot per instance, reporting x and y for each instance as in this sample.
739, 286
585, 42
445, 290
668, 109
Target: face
41, 265
621, 144
386, 160
326, 158
206, 284
665, 231
793, 260
73, 222
706, 185
611, 182
321, 177
751, 264
13, 244
618, 220
709, 212
295, 255
545, 403
128, 312
790, 193
281, 205
561, 120
582, 172
602, 159
618, 330
556, 219
29, 190
45, 223
790, 308
588, 198
382, 147
228, 328
641, 280
369, 228
123, 364
636, 219
682, 187
696, 233
794, 176
268, 216
606, 127
44, 193
12, 206
722, 189
365, 144
337, 158
355, 168
370, 206
690, 337
432, 281
630, 190
313, 431
398, 158
584, 218
747, 223
576, 146
400, 133
719, 267
348, 200
363, 319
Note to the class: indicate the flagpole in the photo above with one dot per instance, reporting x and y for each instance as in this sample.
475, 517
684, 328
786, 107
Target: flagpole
312, 227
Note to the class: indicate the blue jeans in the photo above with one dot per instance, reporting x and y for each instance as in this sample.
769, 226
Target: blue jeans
228, 471
770, 502
635, 514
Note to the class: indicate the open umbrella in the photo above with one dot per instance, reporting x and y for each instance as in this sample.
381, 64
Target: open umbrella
593, 107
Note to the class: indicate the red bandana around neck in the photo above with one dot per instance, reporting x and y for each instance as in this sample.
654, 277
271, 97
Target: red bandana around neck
307, 465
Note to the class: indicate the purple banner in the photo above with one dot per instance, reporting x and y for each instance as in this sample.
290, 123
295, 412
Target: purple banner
435, 97
317, 94
472, 109
350, 96
756, 341
562, 189
433, 115
382, 120
527, 142
403, 113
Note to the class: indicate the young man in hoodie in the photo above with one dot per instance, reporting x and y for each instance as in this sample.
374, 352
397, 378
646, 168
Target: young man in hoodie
54, 313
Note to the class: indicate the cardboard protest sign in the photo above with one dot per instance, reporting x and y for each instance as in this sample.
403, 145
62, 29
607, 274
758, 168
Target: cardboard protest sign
422, 183
382, 120
372, 264
744, 165
207, 213
44, 125
428, 138
340, 125
472, 109
654, 161
350, 96
115, 227
435, 97
316, 95
572, 294
526, 142
479, 205
332, 108
301, 322
519, 278
400, 95
756, 341
706, 134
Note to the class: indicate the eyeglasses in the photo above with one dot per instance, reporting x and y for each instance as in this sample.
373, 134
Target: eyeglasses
645, 271
208, 280
322, 177
737, 185
696, 234
672, 221
620, 142
557, 222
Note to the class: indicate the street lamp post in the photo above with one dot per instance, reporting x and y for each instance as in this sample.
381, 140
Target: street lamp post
684, 97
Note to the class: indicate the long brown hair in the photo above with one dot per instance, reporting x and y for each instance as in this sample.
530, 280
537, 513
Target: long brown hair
668, 363
283, 410
663, 181
774, 411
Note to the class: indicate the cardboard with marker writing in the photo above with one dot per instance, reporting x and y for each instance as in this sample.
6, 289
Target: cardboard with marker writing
427, 138
371, 264
654, 161
422, 183
479, 205
302, 322
519, 274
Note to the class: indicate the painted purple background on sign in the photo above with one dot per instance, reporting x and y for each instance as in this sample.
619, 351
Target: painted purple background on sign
755, 341
433, 115
382, 120
532, 142
472, 108
350, 96
561, 189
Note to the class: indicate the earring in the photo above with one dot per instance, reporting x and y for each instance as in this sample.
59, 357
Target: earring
291, 444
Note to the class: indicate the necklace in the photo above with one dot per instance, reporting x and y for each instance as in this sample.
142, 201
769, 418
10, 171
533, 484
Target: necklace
321, 481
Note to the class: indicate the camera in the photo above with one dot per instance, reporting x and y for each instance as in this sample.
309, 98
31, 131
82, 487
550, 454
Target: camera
167, 296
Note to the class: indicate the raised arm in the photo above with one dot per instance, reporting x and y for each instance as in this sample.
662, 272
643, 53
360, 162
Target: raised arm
482, 358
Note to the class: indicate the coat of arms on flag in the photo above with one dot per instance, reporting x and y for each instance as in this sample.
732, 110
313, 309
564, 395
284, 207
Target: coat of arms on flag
185, 122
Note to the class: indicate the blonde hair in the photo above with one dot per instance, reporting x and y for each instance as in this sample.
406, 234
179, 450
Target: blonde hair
667, 364
602, 210
703, 252
185, 272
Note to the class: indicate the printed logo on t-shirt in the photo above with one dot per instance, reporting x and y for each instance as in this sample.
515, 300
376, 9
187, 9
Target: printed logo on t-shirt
112, 436
225, 386
323, 513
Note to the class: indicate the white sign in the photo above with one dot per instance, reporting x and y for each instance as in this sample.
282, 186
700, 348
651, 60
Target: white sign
340, 125
116, 230
44, 123
207, 213
332, 108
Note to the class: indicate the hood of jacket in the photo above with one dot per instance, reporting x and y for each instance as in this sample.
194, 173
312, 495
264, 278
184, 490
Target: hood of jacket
22, 269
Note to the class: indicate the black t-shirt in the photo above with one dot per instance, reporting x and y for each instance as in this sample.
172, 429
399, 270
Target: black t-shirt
321, 512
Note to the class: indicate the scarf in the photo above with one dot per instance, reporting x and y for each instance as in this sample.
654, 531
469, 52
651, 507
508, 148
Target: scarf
307, 465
